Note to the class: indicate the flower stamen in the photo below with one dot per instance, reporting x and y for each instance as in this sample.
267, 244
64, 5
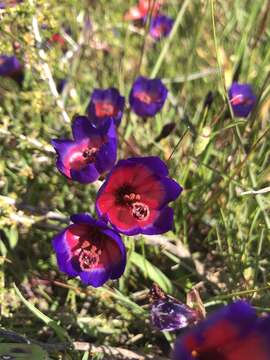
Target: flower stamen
89, 154
104, 109
140, 211
144, 97
89, 259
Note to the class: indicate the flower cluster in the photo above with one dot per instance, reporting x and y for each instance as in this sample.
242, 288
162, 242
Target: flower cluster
134, 196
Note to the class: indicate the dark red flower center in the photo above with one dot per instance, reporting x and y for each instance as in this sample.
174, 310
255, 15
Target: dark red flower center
90, 249
88, 253
140, 211
105, 109
160, 29
2, 61
145, 97
126, 197
241, 100
89, 258
89, 154
80, 158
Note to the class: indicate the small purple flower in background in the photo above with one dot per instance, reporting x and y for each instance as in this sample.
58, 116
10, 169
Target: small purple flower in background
135, 195
106, 104
232, 333
92, 152
147, 96
242, 99
91, 250
11, 67
61, 83
9, 3
169, 314
161, 26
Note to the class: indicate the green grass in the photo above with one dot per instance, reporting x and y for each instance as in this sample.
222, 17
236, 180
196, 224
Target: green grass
221, 238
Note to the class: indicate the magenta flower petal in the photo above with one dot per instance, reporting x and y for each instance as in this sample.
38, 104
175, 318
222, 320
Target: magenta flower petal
161, 26
92, 152
232, 333
147, 96
135, 195
105, 104
89, 249
242, 99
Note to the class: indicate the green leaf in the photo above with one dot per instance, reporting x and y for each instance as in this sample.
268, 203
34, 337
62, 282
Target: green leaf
85, 355
22, 352
151, 271
60, 332
202, 140
13, 237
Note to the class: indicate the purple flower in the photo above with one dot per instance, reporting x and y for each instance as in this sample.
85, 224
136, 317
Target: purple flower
9, 3
106, 104
147, 96
90, 154
169, 314
135, 196
11, 67
232, 333
242, 99
61, 83
161, 26
91, 250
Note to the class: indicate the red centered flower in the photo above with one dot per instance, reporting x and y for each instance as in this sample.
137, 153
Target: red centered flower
105, 104
135, 195
232, 333
242, 99
161, 26
147, 96
91, 250
90, 154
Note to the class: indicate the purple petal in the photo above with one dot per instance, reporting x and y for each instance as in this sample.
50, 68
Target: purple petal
242, 99
86, 175
110, 96
153, 88
62, 146
9, 65
161, 26
118, 269
163, 223
61, 167
95, 277
106, 156
84, 218
63, 254
82, 128
152, 162
173, 190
